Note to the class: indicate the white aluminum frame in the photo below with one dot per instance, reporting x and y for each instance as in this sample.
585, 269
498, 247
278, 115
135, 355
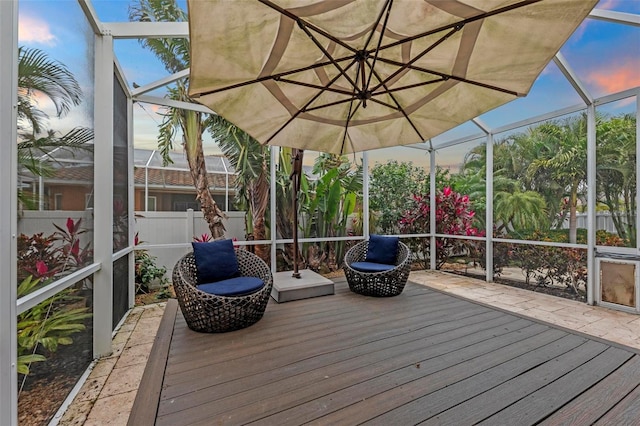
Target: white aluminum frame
8, 211
103, 203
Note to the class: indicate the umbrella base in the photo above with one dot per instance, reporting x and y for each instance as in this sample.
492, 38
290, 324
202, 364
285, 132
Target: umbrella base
310, 284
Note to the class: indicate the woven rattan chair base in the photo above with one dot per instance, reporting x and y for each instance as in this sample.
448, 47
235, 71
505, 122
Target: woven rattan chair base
378, 284
211, 313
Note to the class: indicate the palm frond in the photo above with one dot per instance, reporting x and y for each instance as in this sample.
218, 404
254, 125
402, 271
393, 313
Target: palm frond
39, 73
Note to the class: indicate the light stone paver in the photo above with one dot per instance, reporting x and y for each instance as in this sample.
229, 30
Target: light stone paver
107, 396
111, 410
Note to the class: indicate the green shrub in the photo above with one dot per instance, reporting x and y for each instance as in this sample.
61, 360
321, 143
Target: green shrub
146, 272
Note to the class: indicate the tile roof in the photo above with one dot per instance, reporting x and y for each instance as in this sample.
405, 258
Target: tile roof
157, 177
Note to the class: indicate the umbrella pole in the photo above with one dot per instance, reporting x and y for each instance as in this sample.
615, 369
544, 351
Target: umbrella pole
296, 159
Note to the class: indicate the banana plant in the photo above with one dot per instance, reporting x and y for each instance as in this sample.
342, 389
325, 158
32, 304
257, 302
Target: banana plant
327, 203
48, 324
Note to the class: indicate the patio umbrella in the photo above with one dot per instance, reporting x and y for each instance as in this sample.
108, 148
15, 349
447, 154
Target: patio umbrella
343, 76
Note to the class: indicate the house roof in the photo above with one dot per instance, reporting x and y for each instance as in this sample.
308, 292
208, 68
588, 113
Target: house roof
156, 177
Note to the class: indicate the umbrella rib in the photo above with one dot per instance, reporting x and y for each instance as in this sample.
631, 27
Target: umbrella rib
303, 26
330, 104
307, 24
314, 86
453, 77
303, 109
272, 77
463, 22
417, 57
410, 86
348, 120
387, 7
399, 64
399, 108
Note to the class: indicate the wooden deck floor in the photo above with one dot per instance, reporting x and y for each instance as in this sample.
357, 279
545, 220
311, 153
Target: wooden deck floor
423, 357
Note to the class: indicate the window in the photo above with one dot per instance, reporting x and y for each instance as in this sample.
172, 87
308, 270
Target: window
151, 203
57, 202
88, 200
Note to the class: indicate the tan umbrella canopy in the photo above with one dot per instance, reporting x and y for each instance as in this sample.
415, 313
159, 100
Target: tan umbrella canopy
344, 76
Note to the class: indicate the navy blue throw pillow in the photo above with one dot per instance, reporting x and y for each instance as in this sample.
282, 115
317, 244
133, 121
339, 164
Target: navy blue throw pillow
215, 261
382, 249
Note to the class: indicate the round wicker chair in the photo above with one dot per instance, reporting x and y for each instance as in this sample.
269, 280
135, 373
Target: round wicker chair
379, 284
211, 313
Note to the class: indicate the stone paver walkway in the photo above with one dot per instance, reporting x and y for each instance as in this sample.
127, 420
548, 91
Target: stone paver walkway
107, 396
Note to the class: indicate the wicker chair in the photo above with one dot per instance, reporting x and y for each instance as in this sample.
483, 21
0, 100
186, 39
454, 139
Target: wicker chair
211, 313
379, 284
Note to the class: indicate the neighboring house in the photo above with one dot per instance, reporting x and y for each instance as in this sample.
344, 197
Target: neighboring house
172, 190
167, 188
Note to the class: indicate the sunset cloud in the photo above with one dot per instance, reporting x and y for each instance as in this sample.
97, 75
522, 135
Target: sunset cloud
35, 30
612, 78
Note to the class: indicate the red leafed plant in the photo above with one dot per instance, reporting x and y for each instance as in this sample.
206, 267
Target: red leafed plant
44, 257
454, 216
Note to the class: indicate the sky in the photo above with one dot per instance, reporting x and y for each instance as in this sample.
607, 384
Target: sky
605, 56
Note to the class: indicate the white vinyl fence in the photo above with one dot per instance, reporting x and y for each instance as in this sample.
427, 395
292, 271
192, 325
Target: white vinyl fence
178, 229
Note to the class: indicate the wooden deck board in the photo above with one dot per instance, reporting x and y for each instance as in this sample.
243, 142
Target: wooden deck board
423, 356
600, 398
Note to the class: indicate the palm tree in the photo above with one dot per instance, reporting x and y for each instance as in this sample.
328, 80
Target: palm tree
520, 210
174, 54
39, 74
564, 161
250, 159
616, 172
515, 207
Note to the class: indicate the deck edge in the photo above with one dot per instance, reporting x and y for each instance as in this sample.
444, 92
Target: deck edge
145, 406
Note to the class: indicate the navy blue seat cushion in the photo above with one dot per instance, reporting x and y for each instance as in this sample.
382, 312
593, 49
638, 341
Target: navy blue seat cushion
382, 249
238, 286
371, 267
215, 261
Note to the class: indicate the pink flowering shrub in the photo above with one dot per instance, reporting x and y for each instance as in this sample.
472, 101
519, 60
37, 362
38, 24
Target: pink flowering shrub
454, 216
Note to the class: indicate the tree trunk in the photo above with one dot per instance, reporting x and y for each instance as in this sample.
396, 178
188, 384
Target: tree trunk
573, 220
259, 200
212, 213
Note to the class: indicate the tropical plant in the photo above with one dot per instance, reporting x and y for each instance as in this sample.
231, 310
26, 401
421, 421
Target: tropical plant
146, 269
48, 324
564, 160
147, 272
47, 257
454, 216
390, 188
616, 172
519, 210
39, 74
327, 203
41, 259
250, 160
174, 54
